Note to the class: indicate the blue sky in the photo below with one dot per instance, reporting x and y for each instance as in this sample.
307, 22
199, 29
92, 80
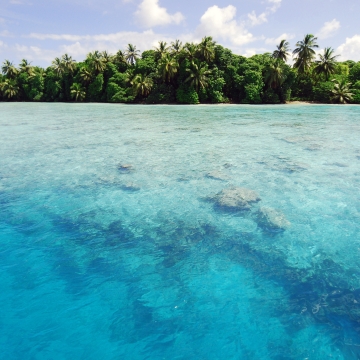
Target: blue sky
40, 30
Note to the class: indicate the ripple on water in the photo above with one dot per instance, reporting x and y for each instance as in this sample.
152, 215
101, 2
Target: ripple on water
109, 250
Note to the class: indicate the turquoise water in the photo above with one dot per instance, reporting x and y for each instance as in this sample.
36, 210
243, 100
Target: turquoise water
99, 261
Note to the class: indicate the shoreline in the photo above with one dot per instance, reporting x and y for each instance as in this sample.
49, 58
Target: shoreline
174, 104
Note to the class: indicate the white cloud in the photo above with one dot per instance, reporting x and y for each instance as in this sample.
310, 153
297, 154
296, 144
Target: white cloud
20, 2
257, 20
143, 40
150, 13
253, 51
275, 4
6, 33
3, 46
329, 29
67, 37
30, 52
78, 46
221, 24
21, 48
262, 18
276, 41
350, 50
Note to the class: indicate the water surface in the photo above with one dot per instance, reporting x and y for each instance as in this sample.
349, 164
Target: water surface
99, 262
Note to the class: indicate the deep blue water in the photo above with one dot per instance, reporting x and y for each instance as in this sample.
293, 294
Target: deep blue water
103, 262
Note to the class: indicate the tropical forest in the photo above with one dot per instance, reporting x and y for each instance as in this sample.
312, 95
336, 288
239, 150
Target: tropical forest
189, 74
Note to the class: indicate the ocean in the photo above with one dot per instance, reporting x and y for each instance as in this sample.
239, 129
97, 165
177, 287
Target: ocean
179, 232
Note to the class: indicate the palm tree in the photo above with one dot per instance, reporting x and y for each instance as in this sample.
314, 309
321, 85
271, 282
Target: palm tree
131, 54
206, 48
69, 65
96, 61
130, 75
58, 66
198, 73
281, 52
142, 85
176, 47
162, 49
341, 93
119, 58
274, 76
8, 69
10, 88
85, 75
25, 67
305, 53
106, 56
327, 63
190, 51
77, 92
37, 72
168, 67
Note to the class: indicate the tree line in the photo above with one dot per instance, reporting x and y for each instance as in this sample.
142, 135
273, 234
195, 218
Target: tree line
188, 74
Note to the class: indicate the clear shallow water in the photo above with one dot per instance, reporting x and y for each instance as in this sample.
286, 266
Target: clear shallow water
92, 269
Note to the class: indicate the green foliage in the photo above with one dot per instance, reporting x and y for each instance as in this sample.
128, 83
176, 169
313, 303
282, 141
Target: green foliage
322, 91
282, 51
354, 73
162, 94
356, 96
142, 85
117, 90
215, 89
145, 66
342, 92
52, 86
189, 74
34, 89
225, 58
187, 95
305, 53
95, 89
10, 89
356, 93
252, 94
198, 75
168, 67
286, 88
119, 79
270, 97
252, 82
77, 92
117, 94
342, 69
149, 54
303, 87
349, 63
132, 54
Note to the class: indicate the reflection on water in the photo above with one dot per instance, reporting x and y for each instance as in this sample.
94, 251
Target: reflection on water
171, 232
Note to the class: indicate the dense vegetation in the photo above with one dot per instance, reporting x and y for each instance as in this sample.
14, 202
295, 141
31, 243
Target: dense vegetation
188, 74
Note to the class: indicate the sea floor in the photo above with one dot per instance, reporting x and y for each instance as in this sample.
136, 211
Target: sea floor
117, 241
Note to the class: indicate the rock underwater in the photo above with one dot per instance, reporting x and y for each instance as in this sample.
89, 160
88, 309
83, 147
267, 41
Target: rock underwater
125, 168
217, 175
235, 199
130, 187
271, 219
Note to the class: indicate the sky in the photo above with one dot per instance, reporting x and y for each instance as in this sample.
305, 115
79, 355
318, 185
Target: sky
40, 30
